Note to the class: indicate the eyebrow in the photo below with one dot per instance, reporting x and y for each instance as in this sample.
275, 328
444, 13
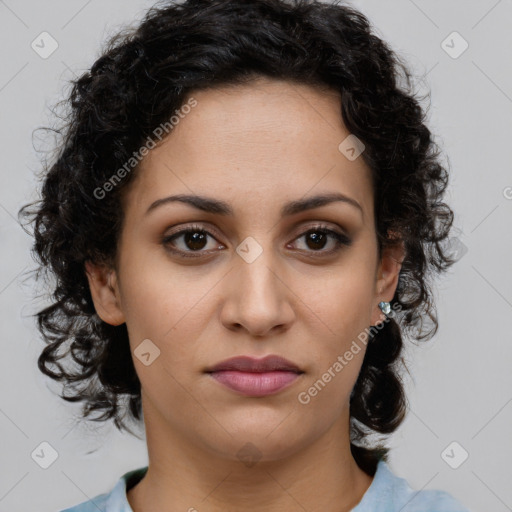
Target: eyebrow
215, 206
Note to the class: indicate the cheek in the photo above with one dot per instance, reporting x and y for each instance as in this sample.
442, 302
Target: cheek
158, 310
343, 306
155, 292
342, 299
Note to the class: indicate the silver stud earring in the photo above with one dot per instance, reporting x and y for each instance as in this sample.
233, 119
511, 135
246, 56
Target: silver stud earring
385, 307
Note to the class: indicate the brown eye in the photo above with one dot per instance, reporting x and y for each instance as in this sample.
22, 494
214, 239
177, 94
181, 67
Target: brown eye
317, 238
194, 239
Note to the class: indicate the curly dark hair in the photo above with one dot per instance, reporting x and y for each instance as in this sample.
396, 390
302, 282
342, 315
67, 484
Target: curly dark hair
144, 74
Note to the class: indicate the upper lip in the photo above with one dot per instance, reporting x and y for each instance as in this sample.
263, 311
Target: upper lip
250, 364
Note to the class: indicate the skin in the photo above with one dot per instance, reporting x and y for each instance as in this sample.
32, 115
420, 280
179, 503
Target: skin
255, 147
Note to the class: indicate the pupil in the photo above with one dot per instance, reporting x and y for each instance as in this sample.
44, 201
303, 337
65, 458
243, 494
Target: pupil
317, 238
196, 240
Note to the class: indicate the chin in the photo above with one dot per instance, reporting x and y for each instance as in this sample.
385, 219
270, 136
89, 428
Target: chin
252, 443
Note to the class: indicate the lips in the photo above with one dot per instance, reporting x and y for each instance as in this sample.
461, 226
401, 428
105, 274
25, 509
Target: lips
255, 377
270, 363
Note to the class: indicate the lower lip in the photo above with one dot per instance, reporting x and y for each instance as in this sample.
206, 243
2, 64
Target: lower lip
255, 384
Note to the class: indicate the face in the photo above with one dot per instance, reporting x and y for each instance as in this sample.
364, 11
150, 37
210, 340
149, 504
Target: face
204, 286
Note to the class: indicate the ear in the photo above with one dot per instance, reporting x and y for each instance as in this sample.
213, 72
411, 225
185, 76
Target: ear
105, 293
387, 278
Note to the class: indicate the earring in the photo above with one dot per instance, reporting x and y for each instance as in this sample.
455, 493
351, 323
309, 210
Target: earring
385, 307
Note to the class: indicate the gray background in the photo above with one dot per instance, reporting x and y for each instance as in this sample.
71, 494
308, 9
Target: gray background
460, 389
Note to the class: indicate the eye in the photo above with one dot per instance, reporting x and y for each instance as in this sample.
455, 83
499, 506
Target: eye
195, 239
317, 237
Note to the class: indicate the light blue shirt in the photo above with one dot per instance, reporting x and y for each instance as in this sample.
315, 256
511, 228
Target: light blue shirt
387, 493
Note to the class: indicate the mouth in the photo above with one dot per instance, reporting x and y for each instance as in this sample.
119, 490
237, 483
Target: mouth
255, 377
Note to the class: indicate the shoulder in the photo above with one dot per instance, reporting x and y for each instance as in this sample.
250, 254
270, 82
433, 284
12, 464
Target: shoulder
390, 493
113, 501
434, 501
93, 505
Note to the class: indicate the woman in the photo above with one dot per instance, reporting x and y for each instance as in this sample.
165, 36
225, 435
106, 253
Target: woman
243, 220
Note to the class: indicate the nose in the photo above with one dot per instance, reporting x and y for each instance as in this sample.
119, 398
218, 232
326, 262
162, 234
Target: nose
258, 298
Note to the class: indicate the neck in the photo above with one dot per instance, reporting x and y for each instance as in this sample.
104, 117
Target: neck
182, 475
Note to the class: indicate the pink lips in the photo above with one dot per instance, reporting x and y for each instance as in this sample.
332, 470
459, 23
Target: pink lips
255, 377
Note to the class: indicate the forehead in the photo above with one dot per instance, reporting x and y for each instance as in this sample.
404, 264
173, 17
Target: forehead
268, 139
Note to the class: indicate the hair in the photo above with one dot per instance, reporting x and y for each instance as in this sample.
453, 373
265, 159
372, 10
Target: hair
144, 75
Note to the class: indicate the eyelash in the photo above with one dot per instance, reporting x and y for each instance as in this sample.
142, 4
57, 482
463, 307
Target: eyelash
340, 239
